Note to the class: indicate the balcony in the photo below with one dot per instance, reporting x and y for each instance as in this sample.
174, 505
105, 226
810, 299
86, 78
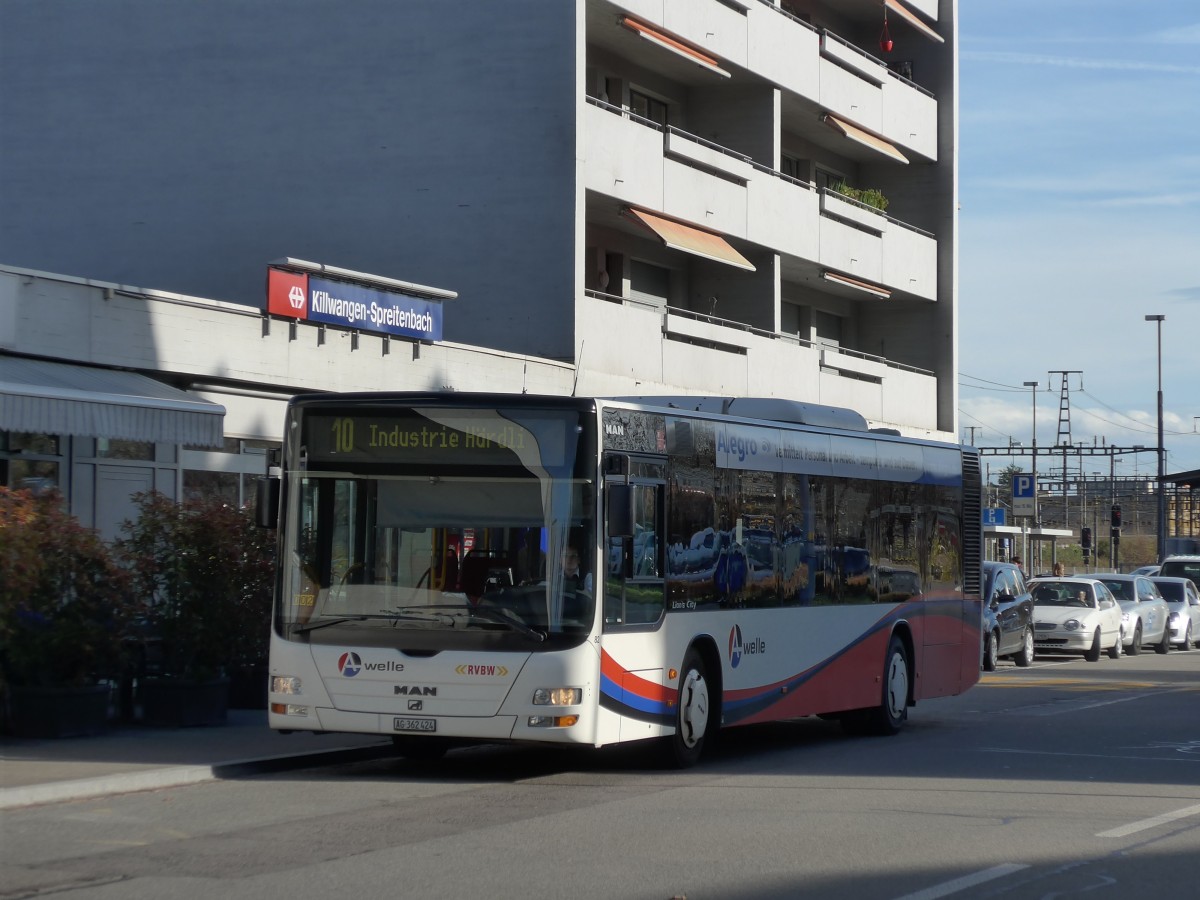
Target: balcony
819, 69
677, 351
669, 171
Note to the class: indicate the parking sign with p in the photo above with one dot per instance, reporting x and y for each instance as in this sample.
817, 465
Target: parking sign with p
1024, 495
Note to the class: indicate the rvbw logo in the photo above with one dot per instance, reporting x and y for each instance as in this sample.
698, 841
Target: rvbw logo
296, 297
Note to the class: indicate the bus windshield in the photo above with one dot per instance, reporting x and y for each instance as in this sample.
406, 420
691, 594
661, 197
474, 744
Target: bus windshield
431, 528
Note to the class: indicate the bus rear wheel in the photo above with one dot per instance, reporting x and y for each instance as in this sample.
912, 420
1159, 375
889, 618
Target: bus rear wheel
693, 713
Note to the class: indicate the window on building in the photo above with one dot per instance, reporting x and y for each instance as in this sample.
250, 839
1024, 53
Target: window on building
229, 445
827, 178
829, 328
230, 473
31, 461
109, 448
226, 485
647, 107
649, 283
793, 167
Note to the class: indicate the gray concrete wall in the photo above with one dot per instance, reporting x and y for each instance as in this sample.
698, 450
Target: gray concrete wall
183, 145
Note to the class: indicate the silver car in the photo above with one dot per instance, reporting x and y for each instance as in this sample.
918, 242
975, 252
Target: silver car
1145, 617
1075, 615
1183, 599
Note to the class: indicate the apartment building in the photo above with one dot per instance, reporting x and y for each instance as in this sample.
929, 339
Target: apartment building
649, 196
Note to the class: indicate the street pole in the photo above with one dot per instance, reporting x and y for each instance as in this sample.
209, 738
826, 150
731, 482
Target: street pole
1161, 523
1033, 386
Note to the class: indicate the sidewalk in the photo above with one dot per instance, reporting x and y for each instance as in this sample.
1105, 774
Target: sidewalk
135, 758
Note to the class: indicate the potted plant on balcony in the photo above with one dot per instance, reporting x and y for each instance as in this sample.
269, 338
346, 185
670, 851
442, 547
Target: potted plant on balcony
64, 611
202, 573
872, 197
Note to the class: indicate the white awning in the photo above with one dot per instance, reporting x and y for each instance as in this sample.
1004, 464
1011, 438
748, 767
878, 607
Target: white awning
911, 18
864, 137
678, 236
60, 398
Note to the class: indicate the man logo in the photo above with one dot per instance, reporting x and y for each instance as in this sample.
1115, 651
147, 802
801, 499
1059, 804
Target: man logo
416, 705
296, 297
349, 664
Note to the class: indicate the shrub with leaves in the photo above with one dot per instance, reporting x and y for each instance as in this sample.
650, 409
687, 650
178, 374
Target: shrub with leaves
872, 197
64, 601
203, 573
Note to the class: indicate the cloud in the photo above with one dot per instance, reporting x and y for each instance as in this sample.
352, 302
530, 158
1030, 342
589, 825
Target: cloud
1153, 200
1072, 62
1185, 295
1185, 34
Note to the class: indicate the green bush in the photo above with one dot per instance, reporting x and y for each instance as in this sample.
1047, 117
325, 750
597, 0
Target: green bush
872, 197
203, 573
64, 600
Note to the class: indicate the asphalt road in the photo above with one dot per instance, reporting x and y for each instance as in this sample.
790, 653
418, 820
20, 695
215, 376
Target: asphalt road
1065, 779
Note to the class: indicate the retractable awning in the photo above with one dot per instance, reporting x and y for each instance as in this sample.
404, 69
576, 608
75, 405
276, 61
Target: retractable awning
911, 18
675, 45
858, 135
678, 236
60, 398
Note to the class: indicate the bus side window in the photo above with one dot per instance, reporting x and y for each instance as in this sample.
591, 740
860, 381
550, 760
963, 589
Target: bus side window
634, 586
647, 548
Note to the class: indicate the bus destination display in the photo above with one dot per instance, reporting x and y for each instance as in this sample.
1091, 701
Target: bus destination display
455, 439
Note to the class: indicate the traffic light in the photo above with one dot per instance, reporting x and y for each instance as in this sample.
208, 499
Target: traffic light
1087, 538
1116, 515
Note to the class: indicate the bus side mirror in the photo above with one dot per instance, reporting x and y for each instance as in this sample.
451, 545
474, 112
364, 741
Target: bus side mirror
619, 522
266, 502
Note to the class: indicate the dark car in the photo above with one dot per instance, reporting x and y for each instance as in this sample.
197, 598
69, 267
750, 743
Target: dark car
1007, 615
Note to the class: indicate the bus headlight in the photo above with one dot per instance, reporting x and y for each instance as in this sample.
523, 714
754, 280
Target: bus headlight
557, 696
285, 684
288, 709
552, 721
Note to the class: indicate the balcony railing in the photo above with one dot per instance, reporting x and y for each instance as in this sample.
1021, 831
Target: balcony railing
743, 328
738, 156
891, 72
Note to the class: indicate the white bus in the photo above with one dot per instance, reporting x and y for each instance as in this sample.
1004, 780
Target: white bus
460, 568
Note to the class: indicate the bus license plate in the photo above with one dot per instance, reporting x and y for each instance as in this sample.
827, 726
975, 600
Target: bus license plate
402, 724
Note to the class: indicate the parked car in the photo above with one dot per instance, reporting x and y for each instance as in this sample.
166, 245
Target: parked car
1007, 615
1145, 616
1145, 570
1075, 615
1182, 567
1183, 600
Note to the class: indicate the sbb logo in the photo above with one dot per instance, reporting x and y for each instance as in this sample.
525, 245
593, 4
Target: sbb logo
287, 294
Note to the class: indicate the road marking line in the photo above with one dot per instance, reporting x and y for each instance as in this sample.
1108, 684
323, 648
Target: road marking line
1154, 822
1018, 750
947, 888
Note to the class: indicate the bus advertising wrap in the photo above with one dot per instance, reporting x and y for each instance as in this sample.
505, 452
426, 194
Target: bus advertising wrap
300, 296
807, 453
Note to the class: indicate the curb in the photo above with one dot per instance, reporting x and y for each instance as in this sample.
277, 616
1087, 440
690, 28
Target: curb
180, 776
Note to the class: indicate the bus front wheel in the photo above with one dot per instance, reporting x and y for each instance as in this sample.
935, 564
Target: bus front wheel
892, 712
692, 713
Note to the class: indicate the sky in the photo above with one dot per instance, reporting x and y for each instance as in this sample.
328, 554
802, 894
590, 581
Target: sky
1079, 189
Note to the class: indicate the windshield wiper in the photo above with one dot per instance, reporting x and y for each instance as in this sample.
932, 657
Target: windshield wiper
392, 616
495, 616
325, 623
